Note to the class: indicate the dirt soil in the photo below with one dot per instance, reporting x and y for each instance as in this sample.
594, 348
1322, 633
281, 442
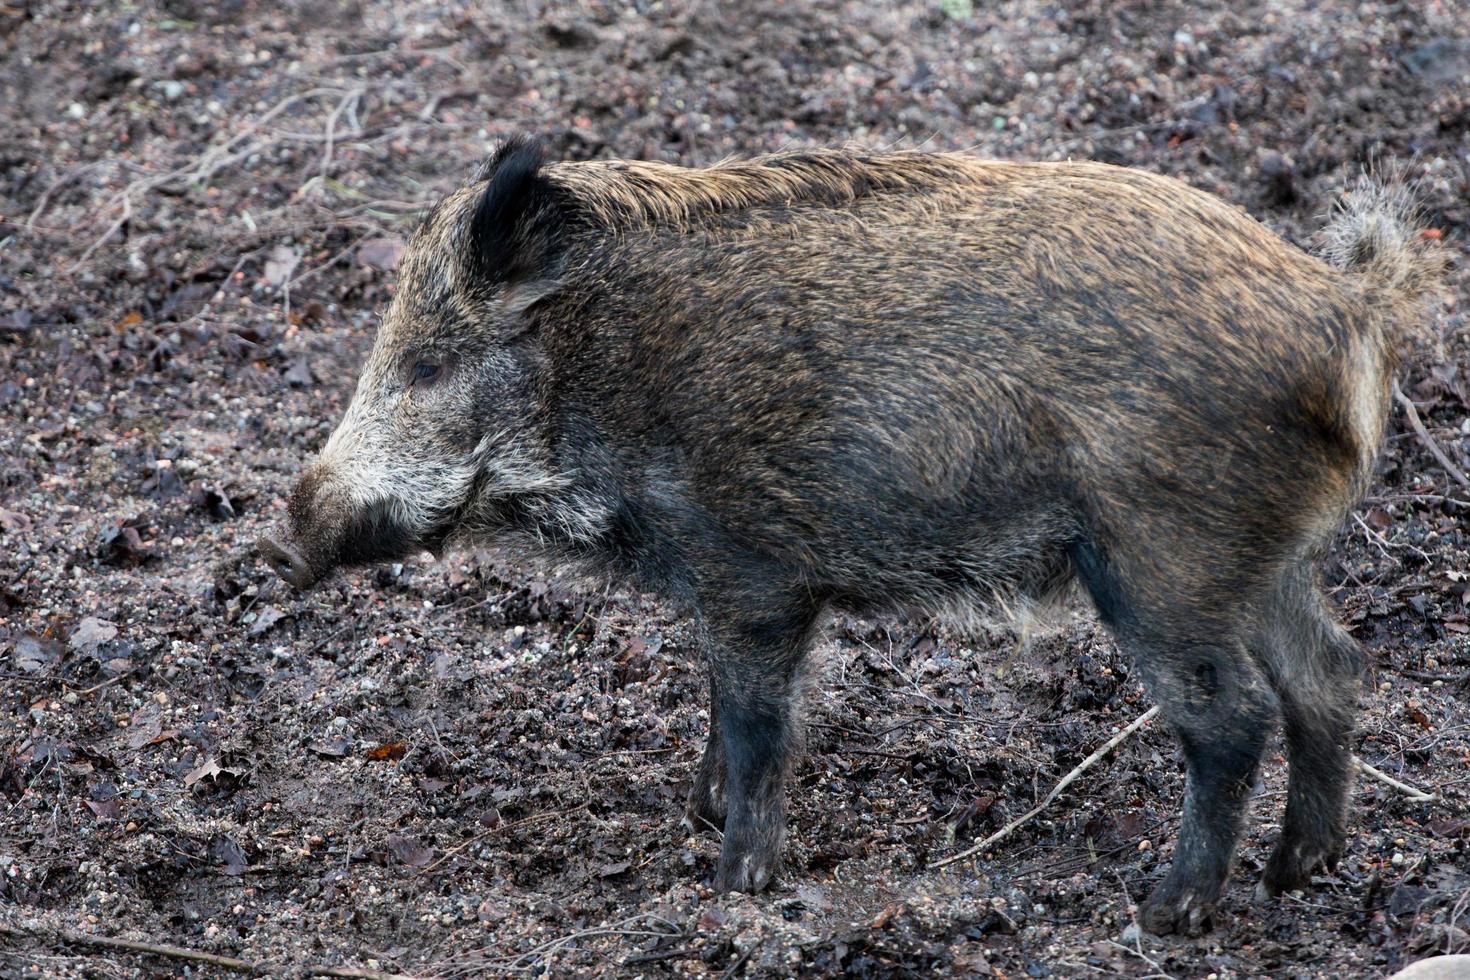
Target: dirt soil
470, 766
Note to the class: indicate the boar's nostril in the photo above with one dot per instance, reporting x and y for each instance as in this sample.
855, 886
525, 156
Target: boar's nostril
286, 562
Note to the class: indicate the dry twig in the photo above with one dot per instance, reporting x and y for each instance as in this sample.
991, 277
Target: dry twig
1417, 423
196, 171
45, 199
1066, 781
1417, 795
73, 937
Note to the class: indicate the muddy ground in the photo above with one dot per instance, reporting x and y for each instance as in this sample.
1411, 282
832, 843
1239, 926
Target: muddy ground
471, 767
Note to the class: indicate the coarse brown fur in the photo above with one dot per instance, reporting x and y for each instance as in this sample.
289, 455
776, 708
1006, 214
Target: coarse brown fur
836, 379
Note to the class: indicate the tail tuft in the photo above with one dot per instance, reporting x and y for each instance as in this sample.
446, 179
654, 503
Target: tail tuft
1377, 232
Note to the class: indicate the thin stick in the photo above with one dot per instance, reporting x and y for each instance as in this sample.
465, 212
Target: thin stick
331, 129
1417, 795
1067, 780
45, 200
1412, 414
172, 952
195, 955
122, 219
201, 169
97, 687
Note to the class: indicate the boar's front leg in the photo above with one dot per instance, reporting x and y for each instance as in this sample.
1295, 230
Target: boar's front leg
707, 797
756, 647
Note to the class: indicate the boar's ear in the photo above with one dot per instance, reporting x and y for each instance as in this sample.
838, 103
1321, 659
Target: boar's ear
517, 223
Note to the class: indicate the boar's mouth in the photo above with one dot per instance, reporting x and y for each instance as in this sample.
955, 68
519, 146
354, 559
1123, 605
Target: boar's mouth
304, 551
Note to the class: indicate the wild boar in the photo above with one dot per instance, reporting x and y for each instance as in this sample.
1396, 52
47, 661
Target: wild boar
833, 379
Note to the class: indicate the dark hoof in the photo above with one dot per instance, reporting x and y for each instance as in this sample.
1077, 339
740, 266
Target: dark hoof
1176, 912
749, 860
748, 872
1291, 867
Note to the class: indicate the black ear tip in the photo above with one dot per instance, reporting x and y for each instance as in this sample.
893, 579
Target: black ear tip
520, 153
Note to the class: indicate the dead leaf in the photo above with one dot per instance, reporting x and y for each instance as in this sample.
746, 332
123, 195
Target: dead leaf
90, 634
408, 851
388, 751
230, 854
208, 769
144, 728
264, 620
105, 809
333, 749
32, 653
279, 265
971, 811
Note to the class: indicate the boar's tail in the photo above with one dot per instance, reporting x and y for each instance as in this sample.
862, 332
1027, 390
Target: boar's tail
1377, 231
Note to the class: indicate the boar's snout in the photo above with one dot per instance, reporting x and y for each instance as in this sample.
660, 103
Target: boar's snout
286, 561
307, 544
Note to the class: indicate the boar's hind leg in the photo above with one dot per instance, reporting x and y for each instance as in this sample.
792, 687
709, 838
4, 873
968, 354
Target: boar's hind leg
755, 657
1223, 710
1314, 666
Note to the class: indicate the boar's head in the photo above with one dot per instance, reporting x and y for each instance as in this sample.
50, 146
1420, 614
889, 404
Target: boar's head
442, 428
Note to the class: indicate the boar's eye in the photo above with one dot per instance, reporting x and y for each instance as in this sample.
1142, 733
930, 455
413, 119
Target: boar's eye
423, 372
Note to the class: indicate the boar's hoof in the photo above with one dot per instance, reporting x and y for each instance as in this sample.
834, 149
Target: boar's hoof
1291, 868
744, 870
1168, 912
286, 562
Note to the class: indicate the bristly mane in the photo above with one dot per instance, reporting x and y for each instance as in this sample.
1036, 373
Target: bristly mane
646, 194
